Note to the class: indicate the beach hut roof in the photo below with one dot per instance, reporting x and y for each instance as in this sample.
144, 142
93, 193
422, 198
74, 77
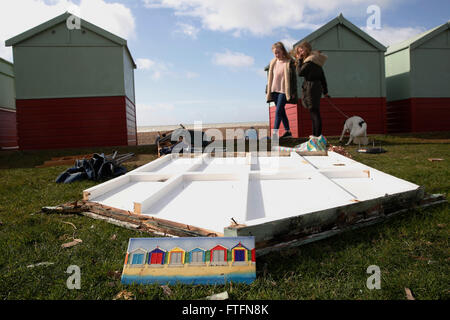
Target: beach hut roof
138, 249
340, 20
197, 249
6, 61
239, 245
62, 18
418, 40
219, 247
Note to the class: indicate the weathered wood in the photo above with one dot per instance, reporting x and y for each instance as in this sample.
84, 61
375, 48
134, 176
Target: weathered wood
272, 246
283, 230
144, 223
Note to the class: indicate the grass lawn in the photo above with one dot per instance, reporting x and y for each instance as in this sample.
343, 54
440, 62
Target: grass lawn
412, 250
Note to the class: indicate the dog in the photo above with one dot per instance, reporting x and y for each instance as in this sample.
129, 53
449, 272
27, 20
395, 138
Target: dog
357, 128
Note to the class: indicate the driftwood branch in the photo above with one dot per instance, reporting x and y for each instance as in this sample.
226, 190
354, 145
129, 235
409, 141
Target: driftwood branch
130, 220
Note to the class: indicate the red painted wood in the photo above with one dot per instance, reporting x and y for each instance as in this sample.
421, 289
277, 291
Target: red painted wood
8, 129
218, 247
156, 258
419, 115
75, 122
131, 122
372, 110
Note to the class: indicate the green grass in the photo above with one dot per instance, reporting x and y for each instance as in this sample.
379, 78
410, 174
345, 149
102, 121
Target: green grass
412, 250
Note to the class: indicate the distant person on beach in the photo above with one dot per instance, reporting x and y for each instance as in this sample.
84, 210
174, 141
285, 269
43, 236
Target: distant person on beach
309, 66
281, 86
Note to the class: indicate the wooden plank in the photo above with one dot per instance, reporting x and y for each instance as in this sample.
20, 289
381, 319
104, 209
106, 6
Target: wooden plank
147, 224
430, 200
284, 230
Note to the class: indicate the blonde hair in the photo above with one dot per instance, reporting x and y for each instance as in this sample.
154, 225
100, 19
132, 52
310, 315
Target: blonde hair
280, 45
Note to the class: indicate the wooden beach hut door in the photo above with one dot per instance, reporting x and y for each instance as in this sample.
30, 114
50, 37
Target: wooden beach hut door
156, 258
218, 255
175, 258
239, 255
138, 258
197, 257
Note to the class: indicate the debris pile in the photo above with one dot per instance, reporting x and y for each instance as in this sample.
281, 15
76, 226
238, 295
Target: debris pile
340, 150
97, 168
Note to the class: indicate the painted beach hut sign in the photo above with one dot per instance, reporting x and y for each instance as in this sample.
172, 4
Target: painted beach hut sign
193, 260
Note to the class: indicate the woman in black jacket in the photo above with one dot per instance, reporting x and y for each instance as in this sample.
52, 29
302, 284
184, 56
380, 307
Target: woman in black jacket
309, 66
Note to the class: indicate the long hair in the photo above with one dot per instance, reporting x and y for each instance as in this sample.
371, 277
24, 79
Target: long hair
306, 46
280, 45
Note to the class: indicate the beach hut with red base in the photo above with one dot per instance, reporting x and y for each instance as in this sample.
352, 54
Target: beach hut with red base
218, 255
418, 82
74, 86
355, 75
8, 131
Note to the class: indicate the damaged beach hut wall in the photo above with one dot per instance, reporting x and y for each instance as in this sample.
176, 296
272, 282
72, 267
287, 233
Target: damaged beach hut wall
8, 131
418, 82
74, 86
356, 80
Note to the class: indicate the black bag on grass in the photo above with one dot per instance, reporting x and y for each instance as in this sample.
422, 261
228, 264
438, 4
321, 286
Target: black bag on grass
97, 168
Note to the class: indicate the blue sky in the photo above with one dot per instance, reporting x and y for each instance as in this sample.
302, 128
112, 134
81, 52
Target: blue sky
203, 60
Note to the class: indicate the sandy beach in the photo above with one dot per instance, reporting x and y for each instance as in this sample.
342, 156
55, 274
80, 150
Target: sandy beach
147, 134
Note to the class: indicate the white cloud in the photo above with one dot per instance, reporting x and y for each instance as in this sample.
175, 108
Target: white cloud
17, 16
160, 69
289, 42
262, 17
390, 35
144, 64
191, 75
233, 59
187, 29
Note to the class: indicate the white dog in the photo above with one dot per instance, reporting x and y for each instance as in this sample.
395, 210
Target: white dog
357, 128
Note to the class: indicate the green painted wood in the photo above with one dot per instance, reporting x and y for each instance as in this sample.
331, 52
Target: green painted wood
52, 61
420, 66
355, 65
430, 77
128, 71
398, 69
7, 85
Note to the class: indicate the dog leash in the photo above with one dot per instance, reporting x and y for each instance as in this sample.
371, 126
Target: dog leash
334, 106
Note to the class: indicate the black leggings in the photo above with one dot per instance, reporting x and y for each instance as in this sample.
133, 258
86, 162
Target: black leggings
316, 121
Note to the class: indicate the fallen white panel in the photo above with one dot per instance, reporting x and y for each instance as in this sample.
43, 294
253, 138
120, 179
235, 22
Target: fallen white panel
257, 191
207, 203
